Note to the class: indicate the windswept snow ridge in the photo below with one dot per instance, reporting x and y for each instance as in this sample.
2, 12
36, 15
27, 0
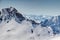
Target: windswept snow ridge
15, 26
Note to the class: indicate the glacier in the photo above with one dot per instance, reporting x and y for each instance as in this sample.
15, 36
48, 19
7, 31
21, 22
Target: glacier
17, 26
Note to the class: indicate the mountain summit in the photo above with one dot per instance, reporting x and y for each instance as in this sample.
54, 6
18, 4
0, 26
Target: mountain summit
9, 13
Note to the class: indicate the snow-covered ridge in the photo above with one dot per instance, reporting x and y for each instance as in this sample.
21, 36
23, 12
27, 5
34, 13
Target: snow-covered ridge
52, 21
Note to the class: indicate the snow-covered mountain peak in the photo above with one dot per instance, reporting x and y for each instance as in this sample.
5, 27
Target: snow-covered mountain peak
10, 13
13, 25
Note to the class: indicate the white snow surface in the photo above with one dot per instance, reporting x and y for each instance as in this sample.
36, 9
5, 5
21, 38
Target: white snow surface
16, 31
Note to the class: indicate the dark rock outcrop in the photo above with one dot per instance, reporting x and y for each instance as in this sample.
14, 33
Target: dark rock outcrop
9, 13
19, 17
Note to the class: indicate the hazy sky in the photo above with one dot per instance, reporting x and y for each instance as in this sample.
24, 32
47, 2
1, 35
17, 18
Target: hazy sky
36, 7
